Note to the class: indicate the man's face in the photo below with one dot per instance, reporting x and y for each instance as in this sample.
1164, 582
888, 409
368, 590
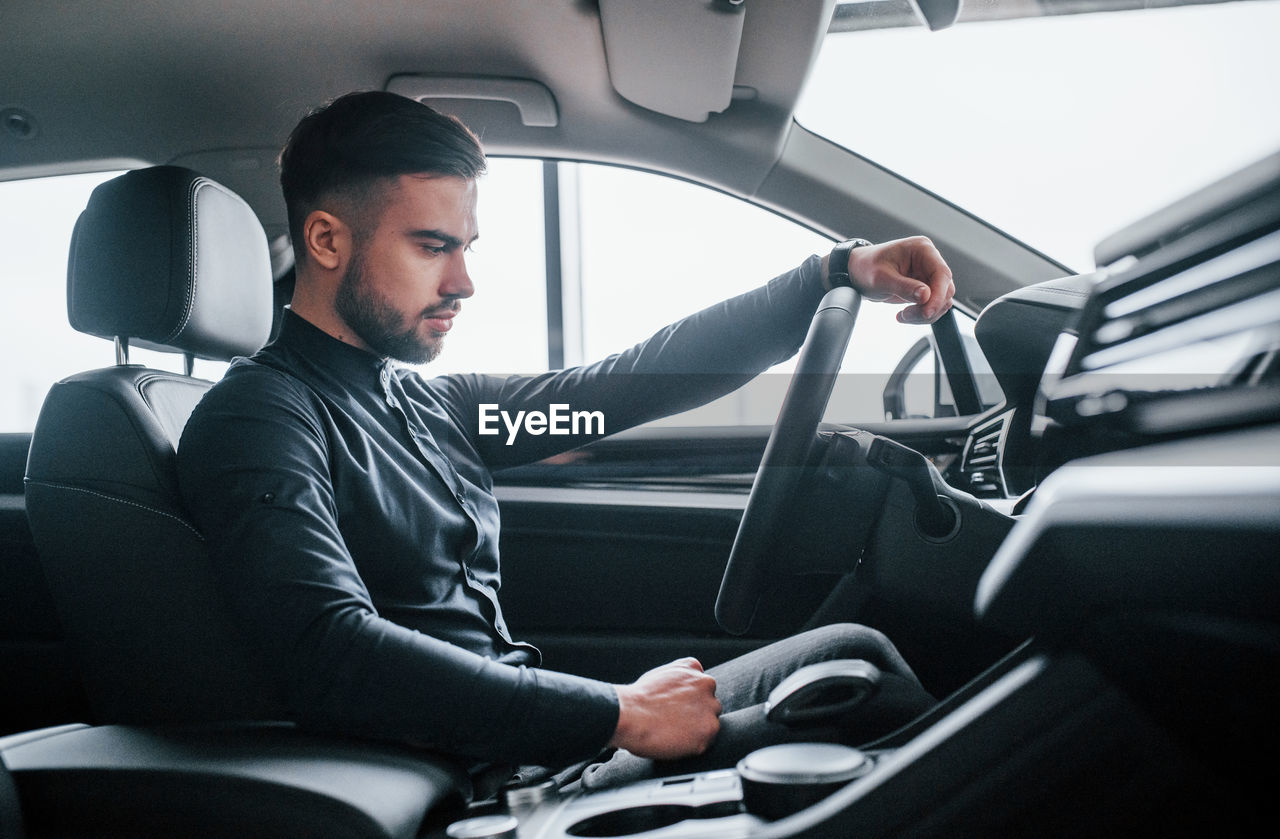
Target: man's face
407, 275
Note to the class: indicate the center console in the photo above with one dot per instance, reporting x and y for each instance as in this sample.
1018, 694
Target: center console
768, 785
705, 804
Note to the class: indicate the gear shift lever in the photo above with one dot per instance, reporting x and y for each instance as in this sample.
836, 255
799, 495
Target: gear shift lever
822, 692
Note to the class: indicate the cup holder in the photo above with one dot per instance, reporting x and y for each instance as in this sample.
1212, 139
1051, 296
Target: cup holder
784, 779
640, 819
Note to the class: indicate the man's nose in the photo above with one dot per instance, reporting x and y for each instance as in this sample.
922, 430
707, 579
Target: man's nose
457, 282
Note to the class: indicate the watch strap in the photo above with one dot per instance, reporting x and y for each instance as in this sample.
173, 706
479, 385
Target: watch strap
838, 262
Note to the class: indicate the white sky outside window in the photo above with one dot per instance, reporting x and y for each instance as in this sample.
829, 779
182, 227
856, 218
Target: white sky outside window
1059, 130
656, 249
38, 343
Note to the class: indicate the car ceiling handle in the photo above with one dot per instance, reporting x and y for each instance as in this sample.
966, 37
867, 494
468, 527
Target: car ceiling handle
534, 100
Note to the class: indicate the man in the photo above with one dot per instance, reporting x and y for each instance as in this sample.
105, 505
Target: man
348, 502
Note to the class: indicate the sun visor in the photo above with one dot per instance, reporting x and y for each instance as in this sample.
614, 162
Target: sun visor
676, 57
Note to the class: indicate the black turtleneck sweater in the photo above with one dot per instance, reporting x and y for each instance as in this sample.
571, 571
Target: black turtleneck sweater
348, 505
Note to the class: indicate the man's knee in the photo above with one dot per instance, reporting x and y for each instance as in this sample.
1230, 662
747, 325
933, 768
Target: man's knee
853, 640
851, 637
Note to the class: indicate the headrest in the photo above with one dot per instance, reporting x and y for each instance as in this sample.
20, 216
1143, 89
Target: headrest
171, 260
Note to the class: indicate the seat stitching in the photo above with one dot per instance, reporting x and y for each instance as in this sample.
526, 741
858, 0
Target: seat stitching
193, 224
97, 494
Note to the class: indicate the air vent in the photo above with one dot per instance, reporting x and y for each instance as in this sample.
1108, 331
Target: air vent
1166, 339
980, 463
1223, 295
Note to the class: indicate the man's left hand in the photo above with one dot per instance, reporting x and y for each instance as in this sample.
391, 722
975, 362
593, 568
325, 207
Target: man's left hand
903, 271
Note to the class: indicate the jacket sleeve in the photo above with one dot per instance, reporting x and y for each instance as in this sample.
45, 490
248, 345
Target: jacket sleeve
689, 363
254, 473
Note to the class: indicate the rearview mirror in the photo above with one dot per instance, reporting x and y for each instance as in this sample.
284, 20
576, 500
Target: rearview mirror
937, 14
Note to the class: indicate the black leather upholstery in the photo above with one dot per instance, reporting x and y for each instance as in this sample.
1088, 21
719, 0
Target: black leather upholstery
214, 781
167, 256
129, 574
173, 260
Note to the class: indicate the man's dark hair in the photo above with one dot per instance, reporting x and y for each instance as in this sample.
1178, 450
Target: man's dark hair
341, 151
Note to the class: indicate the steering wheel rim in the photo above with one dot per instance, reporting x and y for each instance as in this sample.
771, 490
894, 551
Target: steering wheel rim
785, 455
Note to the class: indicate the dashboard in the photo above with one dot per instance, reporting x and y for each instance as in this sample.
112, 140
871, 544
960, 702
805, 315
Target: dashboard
1175, 335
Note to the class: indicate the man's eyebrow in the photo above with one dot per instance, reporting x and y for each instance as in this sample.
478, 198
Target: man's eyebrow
447, 239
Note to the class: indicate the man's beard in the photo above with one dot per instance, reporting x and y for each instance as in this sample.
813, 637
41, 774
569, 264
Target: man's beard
378, 323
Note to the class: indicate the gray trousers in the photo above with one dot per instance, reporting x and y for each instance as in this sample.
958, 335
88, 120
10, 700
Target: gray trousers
743, 684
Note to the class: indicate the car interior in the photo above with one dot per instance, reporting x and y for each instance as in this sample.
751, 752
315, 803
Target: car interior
1075, 545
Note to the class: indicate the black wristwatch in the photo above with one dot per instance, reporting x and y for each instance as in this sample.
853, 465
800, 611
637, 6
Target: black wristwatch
840, 257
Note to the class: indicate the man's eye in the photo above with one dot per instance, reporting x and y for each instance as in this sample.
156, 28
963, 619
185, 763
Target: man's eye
434, 249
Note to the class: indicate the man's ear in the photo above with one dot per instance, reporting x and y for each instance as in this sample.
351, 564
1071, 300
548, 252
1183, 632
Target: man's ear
326, 239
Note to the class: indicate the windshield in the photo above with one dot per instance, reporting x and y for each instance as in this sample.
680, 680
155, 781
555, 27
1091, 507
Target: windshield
1056, 129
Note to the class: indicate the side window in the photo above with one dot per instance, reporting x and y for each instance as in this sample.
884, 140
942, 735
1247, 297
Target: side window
654, 249
637, 251
503, 326
37, 217
926, 393
920, 390
876, 350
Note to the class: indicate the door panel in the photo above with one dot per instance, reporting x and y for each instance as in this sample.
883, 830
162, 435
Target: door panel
611, 580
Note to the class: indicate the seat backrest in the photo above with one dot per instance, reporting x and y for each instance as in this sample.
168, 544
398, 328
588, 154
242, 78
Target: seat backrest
165, 258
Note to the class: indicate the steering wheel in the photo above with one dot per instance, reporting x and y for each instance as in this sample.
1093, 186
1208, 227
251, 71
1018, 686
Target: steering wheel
784, 459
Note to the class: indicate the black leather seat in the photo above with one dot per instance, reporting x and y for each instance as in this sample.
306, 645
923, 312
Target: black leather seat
170, 259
